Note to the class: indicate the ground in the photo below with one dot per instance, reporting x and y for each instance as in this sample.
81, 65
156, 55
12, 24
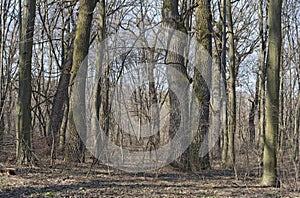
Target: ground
63, 181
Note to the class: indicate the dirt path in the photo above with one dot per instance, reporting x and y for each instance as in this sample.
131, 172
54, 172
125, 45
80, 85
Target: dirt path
103, 182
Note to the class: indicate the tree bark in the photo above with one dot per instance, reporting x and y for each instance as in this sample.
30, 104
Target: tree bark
74, 145
296, 135
204, 37
61, 96
98, 90
230, 163
23, 109
272, 93
60, 101
262, 79
171, 19
2, 95
252, 114
223, 72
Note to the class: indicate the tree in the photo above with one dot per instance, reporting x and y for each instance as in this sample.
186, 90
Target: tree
61, 98
262, 77
171, 19
204, 38
231, 90
272, 93
97, 97
297, 131
8, 53
74, 145
190, 159
252, 113
2, 44
23, 125
223, 72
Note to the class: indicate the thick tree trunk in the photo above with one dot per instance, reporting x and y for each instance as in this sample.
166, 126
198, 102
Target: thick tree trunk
171, 19
231, 91
272, 93
74, 145
204, 37
23, 125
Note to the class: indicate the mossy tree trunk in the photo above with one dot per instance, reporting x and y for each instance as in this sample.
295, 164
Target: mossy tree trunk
74, 146
272, 93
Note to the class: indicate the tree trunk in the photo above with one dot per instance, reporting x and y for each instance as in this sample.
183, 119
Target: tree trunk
175, 62
296, 135
216, 97
2, 95
204, 37
98, 145
252, 114
61, 95
63, 127
23, 110
2, 124
60, 101
224, 95
154, 140
231, 91
262, 79
58, 119
272, 93
74, 144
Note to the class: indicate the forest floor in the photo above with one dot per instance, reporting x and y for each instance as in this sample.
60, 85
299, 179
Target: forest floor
63, 181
